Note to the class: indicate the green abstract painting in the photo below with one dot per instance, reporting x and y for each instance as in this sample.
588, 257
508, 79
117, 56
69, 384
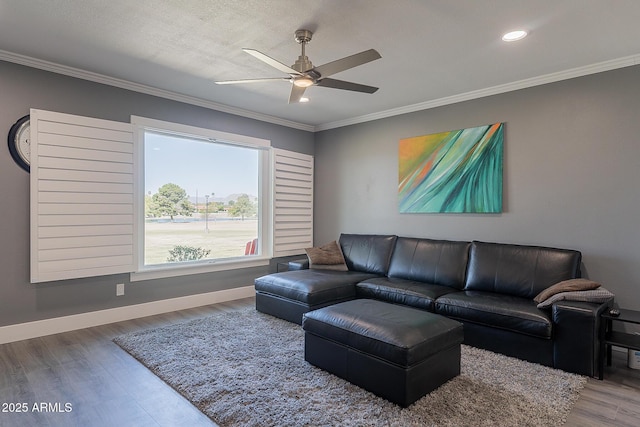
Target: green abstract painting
456, 171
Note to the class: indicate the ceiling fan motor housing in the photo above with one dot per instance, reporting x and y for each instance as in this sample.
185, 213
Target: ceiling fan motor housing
303, 64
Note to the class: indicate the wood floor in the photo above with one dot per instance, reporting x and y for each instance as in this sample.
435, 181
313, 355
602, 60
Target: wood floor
84, 379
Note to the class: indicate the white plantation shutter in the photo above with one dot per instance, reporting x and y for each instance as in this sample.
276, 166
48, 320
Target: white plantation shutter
293, 202
81, 197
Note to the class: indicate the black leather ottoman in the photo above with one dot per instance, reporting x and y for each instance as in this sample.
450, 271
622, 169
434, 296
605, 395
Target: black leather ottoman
399, 353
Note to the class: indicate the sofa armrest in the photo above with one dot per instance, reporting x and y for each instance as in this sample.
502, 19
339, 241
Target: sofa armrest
576, 328
299, 264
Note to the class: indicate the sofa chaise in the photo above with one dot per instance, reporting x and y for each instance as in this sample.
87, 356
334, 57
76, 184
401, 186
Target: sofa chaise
488, 287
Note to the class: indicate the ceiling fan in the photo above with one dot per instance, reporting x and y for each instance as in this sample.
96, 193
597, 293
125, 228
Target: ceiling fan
303, 74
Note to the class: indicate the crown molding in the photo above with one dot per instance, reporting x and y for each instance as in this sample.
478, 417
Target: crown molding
148, 90
494, 90
467, 96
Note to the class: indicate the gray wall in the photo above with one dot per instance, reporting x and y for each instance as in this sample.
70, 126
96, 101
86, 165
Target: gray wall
571, 175
22, 88
572, 166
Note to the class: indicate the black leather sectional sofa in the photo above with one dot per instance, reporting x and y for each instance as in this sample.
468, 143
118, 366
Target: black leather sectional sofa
489, 287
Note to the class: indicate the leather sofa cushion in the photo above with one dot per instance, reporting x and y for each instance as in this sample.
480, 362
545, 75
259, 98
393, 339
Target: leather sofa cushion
523, 271
501, 311
398, 334
400, 291
367, 253
311, 287
439, 262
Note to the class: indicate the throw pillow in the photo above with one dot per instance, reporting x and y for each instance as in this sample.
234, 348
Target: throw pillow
566, 286
599, 295
327, 257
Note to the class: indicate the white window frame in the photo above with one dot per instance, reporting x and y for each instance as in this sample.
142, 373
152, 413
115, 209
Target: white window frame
143, 124
92, 162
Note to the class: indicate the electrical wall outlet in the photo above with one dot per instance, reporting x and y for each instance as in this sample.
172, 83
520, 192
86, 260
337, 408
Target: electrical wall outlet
119, 289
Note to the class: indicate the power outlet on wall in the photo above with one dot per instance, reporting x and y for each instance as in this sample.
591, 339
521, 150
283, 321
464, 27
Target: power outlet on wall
119, 289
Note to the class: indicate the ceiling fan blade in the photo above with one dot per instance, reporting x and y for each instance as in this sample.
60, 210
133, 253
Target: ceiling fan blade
270, 61
233, 82
296, 94
334, 67
341, 84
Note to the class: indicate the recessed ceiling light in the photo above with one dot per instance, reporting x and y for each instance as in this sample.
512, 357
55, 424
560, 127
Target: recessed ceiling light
304, 99
512, 36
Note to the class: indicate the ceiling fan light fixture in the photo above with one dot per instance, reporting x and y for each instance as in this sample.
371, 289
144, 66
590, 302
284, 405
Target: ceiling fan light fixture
513, 36
304, 81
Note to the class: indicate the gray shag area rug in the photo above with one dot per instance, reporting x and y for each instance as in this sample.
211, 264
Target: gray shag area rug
245, 368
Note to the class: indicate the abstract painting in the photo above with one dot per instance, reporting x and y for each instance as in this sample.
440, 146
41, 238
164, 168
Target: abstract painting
452, 172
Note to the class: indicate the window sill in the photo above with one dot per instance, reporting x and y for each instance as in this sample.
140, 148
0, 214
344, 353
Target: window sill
175, 271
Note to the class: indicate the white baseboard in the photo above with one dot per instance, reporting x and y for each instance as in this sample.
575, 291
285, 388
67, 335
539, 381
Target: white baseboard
56, 325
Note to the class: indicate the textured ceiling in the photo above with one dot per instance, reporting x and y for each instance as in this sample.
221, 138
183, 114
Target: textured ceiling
432, 50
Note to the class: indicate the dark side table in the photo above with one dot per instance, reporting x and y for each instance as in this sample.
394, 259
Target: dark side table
609, 337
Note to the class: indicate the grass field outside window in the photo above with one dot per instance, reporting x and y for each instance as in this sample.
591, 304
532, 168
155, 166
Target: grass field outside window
226, 238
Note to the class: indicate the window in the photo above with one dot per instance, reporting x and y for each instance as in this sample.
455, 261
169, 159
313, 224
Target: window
234, 201
205, 199
201, 199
